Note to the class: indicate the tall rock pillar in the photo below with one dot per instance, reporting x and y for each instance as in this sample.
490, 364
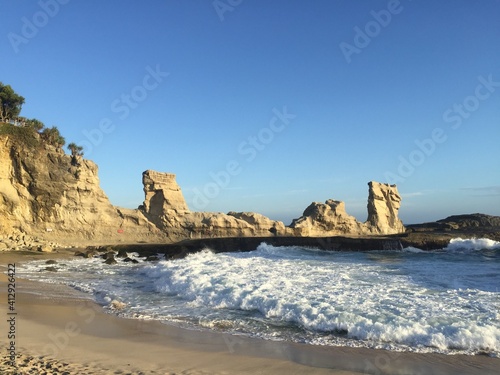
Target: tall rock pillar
383, 206
161, 195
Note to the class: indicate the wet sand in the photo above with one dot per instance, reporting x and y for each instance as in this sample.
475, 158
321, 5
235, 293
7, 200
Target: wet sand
59, 331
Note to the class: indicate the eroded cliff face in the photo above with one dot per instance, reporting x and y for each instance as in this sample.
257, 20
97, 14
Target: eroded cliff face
165, 206
331, 219
46, 193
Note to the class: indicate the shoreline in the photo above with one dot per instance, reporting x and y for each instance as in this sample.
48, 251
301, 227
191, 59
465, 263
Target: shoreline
81, 334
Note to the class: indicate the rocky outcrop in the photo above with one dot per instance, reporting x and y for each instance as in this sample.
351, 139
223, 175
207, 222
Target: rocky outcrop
261, 223
26, 242
466, 223
164, 205
162, 193
471, 221
331, 219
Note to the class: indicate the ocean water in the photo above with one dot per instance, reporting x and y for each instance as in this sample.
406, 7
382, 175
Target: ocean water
445, 301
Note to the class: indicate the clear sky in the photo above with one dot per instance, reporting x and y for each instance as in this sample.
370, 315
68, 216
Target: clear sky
266, 106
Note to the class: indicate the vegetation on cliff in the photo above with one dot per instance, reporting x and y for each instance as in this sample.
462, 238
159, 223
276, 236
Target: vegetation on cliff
10, 103
29, 132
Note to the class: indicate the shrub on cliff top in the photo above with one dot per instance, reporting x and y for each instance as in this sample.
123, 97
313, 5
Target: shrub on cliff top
21, 134
28, 131
53, 137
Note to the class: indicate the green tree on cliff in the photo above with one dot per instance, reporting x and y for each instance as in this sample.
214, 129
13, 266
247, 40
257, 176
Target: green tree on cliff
53, 137
10, 103
35, 124
75, 149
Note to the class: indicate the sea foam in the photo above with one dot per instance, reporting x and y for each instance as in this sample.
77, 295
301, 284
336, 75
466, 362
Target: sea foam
472, 244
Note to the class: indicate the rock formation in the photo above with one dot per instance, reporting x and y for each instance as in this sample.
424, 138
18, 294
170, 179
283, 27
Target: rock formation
326, 219
331, 219
383, 207
165, 206
466, 222
162, 197
48, 197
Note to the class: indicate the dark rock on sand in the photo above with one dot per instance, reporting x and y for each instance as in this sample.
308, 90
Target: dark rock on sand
111, 260
122, 253
130, 260
109, 255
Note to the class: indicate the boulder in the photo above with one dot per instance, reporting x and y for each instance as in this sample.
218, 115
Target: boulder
130, 260
111, 260
109, 255
45, 249
117, 305
326, 219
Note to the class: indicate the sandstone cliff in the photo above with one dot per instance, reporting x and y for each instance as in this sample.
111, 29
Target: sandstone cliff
48, 194
331, 219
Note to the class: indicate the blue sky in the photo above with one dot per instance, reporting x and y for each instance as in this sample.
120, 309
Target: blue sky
267, 106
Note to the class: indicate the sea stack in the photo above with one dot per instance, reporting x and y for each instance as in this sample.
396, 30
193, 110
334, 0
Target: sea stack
331, 219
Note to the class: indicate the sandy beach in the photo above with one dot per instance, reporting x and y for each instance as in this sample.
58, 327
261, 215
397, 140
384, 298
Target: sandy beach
59, 332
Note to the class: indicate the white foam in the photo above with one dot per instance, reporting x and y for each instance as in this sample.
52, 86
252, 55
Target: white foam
411, 249
472, 244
